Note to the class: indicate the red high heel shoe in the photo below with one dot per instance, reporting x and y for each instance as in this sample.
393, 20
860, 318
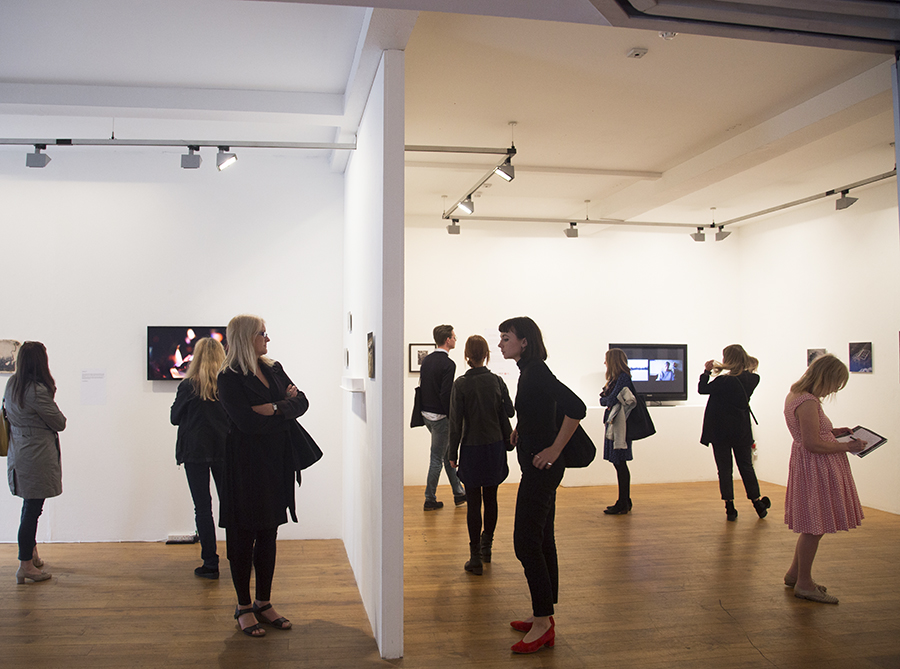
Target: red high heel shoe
548, 639
522, 626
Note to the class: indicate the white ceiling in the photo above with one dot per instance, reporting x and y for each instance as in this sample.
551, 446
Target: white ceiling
733, 124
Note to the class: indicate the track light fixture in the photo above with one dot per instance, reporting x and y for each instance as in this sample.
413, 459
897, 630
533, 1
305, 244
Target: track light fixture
506, 170
453, 228
844, 200
225, 159
191, 160
698, 236
722, 233
37, 159
467, 205
571, 231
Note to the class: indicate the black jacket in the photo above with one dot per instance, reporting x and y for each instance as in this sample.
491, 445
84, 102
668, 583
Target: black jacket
259, 467
477, 399
436, 380
202, 426
726, 420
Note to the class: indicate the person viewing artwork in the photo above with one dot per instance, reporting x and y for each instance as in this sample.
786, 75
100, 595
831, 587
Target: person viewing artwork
34, 462
821, 496
261, 402
726, 425
480, 409
436, 382
200, 445
616, 446
539, 441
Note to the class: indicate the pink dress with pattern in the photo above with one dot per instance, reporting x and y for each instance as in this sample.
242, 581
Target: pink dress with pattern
821, 496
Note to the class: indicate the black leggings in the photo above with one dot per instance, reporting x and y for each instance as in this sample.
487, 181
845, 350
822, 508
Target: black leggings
474, 497
251, 549
31, 511
624, 478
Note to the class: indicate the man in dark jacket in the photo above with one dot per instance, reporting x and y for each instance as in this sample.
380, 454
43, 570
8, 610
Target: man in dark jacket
436, 380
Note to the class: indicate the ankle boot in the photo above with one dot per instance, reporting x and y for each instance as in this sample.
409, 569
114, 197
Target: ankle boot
487, 541
730, 511
474, 565
762, 506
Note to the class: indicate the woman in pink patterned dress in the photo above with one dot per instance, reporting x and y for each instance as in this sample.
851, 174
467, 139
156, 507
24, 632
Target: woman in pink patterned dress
821, 496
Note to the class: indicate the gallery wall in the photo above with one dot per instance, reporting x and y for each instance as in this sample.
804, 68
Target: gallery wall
809, 278
102, 243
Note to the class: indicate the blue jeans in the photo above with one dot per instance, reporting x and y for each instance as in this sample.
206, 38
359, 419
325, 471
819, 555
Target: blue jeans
198, 481
440, 444
31, 511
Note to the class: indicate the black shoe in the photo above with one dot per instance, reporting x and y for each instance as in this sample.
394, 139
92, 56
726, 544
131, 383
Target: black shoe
431, 506
475, 565
730, 511
486, 545
618, 509
207, 572
762, 506
459, 500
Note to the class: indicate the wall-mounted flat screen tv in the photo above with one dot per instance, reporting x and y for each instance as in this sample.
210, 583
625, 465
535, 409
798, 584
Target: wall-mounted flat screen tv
170, 349
658, 370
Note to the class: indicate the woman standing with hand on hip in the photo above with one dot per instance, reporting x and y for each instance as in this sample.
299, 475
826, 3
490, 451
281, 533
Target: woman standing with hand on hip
34, 463
821, 495
258, 491
539, 442
726, 425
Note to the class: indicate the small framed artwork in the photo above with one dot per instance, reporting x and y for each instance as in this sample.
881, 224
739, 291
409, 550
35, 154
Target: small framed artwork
861, 357
813, 353
370, 346
417, 353
9, 349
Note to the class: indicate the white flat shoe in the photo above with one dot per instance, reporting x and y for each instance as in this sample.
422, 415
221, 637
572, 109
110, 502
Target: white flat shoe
815, 596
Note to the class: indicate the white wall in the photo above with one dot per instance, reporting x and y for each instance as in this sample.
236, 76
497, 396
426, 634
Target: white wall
810, 278
373, 438
101, 244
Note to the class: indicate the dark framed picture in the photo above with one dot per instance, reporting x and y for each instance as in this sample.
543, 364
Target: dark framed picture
417, 353
861, 357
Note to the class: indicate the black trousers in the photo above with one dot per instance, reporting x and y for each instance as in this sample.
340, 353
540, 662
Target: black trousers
743, 455
198, 481
28, 522
533, 536
251, 549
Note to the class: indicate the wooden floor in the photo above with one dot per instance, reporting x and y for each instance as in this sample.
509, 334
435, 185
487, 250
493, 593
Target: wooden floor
670, 585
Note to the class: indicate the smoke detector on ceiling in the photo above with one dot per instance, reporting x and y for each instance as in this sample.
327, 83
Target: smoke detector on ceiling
668, 35
637, 52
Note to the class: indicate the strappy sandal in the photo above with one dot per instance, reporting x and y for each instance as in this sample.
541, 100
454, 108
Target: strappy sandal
279, 623
253, 630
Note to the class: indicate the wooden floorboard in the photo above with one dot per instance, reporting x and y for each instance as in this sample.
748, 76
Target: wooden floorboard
670, 585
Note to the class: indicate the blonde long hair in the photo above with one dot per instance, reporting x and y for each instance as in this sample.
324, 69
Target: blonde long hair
204, 368
735, 360
616, 363
825, 376
241, 334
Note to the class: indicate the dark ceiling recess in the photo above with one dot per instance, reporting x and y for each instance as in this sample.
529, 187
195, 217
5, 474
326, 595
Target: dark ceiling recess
860, 25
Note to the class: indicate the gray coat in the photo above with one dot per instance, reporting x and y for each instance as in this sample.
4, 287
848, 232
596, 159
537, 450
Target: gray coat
34, 467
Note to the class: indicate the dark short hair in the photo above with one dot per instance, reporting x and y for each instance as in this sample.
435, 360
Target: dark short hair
525, 328
477, 350
442, 333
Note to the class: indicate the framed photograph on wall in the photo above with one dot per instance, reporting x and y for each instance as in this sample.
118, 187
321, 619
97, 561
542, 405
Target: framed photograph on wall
9, 349
417, 353
861, 357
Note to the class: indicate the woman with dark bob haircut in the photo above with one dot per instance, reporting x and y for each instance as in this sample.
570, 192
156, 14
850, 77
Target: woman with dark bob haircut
34, 464
539, 440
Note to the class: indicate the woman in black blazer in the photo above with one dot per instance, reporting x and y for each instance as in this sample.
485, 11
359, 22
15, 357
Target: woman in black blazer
261, 403
539, 439
200, 445
726, 425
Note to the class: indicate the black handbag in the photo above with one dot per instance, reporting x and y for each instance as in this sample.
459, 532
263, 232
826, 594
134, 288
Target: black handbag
416, 419
639, 425
304, 450
580, 451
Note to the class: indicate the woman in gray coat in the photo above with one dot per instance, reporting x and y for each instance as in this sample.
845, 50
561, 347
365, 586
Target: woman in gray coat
34, 466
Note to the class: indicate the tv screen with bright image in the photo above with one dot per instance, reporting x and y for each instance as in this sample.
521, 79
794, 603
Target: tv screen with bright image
170, 349
657, 370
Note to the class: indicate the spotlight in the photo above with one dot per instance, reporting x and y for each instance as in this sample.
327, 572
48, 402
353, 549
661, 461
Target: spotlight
722, 234
191, 160
453, 228
506, 171
571, 231
698, 236
225, 159
842, 202
467, 205
37, 159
